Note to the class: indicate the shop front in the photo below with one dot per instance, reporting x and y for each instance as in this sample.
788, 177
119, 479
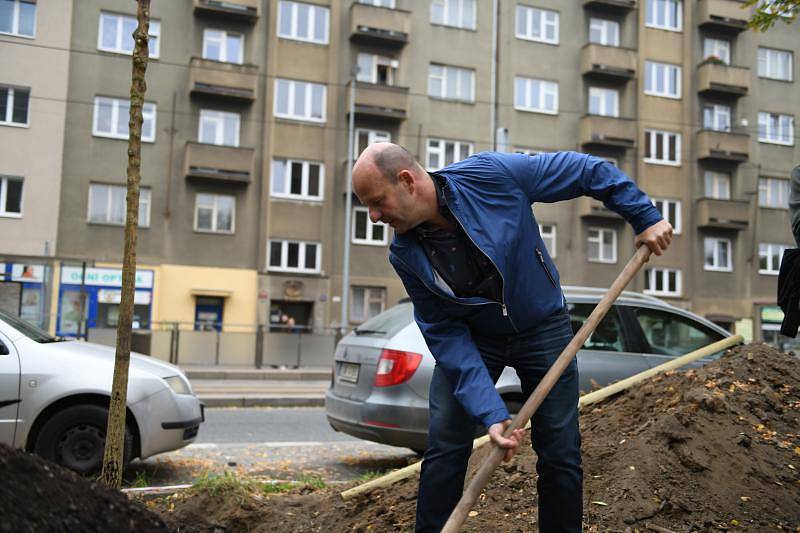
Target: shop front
34, 281
771, 319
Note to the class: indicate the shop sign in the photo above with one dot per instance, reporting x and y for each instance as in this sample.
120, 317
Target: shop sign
27, 273
111, 296
104, 277
2, 271
771, 314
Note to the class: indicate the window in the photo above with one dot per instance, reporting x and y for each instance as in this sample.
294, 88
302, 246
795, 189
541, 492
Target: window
300, 100
111, 117
452, 83
662, 147
297, 179
717, 48
367, 232
717, 253
664, 14
14, 103
775, 128
536, 24
225, 46
717, 185
604, 32
18, 17
456, 13
10, 196
775, 64
378, 69
671, 211
526, 151
769, 258
548, 233
608, 335
671, 334
366, 302
717, 117
773, 192
662, 281
294, 256
535, 95
108, 204
602, 245
214, 213
218, 127
603, 102
662, 79
116, 34
303, 22
366, 137
442, 152
378, 3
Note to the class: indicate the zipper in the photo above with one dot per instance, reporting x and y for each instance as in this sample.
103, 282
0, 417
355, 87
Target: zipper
544, 266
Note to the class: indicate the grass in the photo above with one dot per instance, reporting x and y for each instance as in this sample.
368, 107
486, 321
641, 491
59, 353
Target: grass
141, 480
230, 484
369, 476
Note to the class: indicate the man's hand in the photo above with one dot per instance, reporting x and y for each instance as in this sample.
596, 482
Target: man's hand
657, 237
509, 444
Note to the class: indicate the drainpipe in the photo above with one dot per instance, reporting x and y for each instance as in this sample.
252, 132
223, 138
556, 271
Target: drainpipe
348, 208
493, 95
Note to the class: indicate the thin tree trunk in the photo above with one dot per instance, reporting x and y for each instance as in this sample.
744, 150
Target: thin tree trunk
115, 435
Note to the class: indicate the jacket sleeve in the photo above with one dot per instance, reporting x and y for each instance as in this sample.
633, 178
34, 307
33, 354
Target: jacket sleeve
556, 176
794, 203
449, 339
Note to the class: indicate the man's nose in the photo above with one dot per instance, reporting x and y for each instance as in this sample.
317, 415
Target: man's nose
375, 215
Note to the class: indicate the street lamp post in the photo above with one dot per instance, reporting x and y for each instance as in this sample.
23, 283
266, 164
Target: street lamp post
348, 209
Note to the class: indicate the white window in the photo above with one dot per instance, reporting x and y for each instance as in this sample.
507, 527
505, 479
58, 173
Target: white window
116, 34
548, 233
717, 49
366, 302
603, 102
662, 79
111, 117
442, 152
303, 180
218, 127
527, 151
671, 211
373, 68
366, 137
536, 24
662, 281
303, 22
294, 256
602, 245
10, 196
769, 258
214, 213
300, 100
378, 3
225, 46
717, 117
773, 192
18, 17
717, 254
604, 32
662, 147
775, 64
456, 13
775, 128
452, 83
717, 185
664, 14
539, 96
108, 204
14, 103
367, 232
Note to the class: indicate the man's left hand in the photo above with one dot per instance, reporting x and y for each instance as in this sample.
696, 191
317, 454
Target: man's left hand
657, 237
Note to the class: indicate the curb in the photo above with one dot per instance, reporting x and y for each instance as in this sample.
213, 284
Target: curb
272, 375
256, 401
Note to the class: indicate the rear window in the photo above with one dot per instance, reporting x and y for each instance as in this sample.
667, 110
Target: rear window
670, 334
389, 322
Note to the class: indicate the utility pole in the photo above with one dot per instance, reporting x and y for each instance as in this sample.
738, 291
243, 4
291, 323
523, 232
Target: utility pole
348, 202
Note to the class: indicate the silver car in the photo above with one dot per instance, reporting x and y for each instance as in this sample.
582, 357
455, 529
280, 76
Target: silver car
382, 370
54, 397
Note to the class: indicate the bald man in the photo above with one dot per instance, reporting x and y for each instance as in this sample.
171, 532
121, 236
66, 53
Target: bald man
487, 295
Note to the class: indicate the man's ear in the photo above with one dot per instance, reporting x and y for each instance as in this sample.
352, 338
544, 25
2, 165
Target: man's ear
406, 179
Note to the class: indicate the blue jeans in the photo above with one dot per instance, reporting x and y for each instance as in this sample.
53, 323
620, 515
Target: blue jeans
555, 434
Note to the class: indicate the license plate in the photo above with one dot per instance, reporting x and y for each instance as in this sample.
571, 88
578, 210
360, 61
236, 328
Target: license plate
349, 372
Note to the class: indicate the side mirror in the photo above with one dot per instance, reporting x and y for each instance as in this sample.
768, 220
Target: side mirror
3, 349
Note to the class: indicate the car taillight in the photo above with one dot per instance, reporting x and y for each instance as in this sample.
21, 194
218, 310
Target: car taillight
395, 367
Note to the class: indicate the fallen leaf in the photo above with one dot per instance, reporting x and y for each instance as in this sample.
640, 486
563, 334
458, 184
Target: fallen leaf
473, 513
604, 504
745, 498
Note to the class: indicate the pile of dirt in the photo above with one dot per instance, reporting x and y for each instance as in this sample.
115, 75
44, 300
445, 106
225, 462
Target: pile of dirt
36, 495
709, 449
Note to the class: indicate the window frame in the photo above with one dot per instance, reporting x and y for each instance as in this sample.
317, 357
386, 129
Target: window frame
599, 240
779, 248
4, 179
550, 235
652, 145
308, 104
377, 60
214, 214
718, 112
604, 101
767, 62
224, 46
369, 240
603, 26
650, 18
366, 299
763, 135
304, 180
447, 6
379, 3
651, 79
712, 46
218, 116
529, 34
446, 72
154, 30
10, 97
651, 278
301, 256
441, 151
764, 183
729, 255
15, 20
313, 10
664, 210
714, 178
545, 86
109, 201
373, 136
149, 108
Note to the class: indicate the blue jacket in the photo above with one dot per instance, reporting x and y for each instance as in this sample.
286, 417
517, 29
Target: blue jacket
491, 195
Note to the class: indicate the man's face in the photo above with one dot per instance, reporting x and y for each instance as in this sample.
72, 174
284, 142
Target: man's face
390, 203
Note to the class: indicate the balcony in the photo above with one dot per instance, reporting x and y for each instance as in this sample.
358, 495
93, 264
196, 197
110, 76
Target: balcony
591, 208
722, 214
722, 80
611, 6
226, 164
223, 80
386, 102
607, 132
241, 10
722, 146
379, 25
722, 15
609, 62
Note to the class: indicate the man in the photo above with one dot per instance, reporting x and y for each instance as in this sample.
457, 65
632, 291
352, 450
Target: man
486, 295
794, 203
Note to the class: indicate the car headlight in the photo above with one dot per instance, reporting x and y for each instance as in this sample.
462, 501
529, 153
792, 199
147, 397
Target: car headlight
178, 384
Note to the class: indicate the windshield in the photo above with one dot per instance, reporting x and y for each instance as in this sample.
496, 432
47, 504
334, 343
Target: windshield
26, 328
390, 321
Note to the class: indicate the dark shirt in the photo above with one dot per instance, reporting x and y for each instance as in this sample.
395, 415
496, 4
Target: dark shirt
794, 203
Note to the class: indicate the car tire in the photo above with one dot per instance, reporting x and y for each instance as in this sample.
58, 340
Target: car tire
75, 438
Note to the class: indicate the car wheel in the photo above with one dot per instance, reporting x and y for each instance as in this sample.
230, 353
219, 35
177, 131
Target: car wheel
75, 438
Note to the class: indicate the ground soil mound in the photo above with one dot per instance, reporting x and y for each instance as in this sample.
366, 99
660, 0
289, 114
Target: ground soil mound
36, 496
